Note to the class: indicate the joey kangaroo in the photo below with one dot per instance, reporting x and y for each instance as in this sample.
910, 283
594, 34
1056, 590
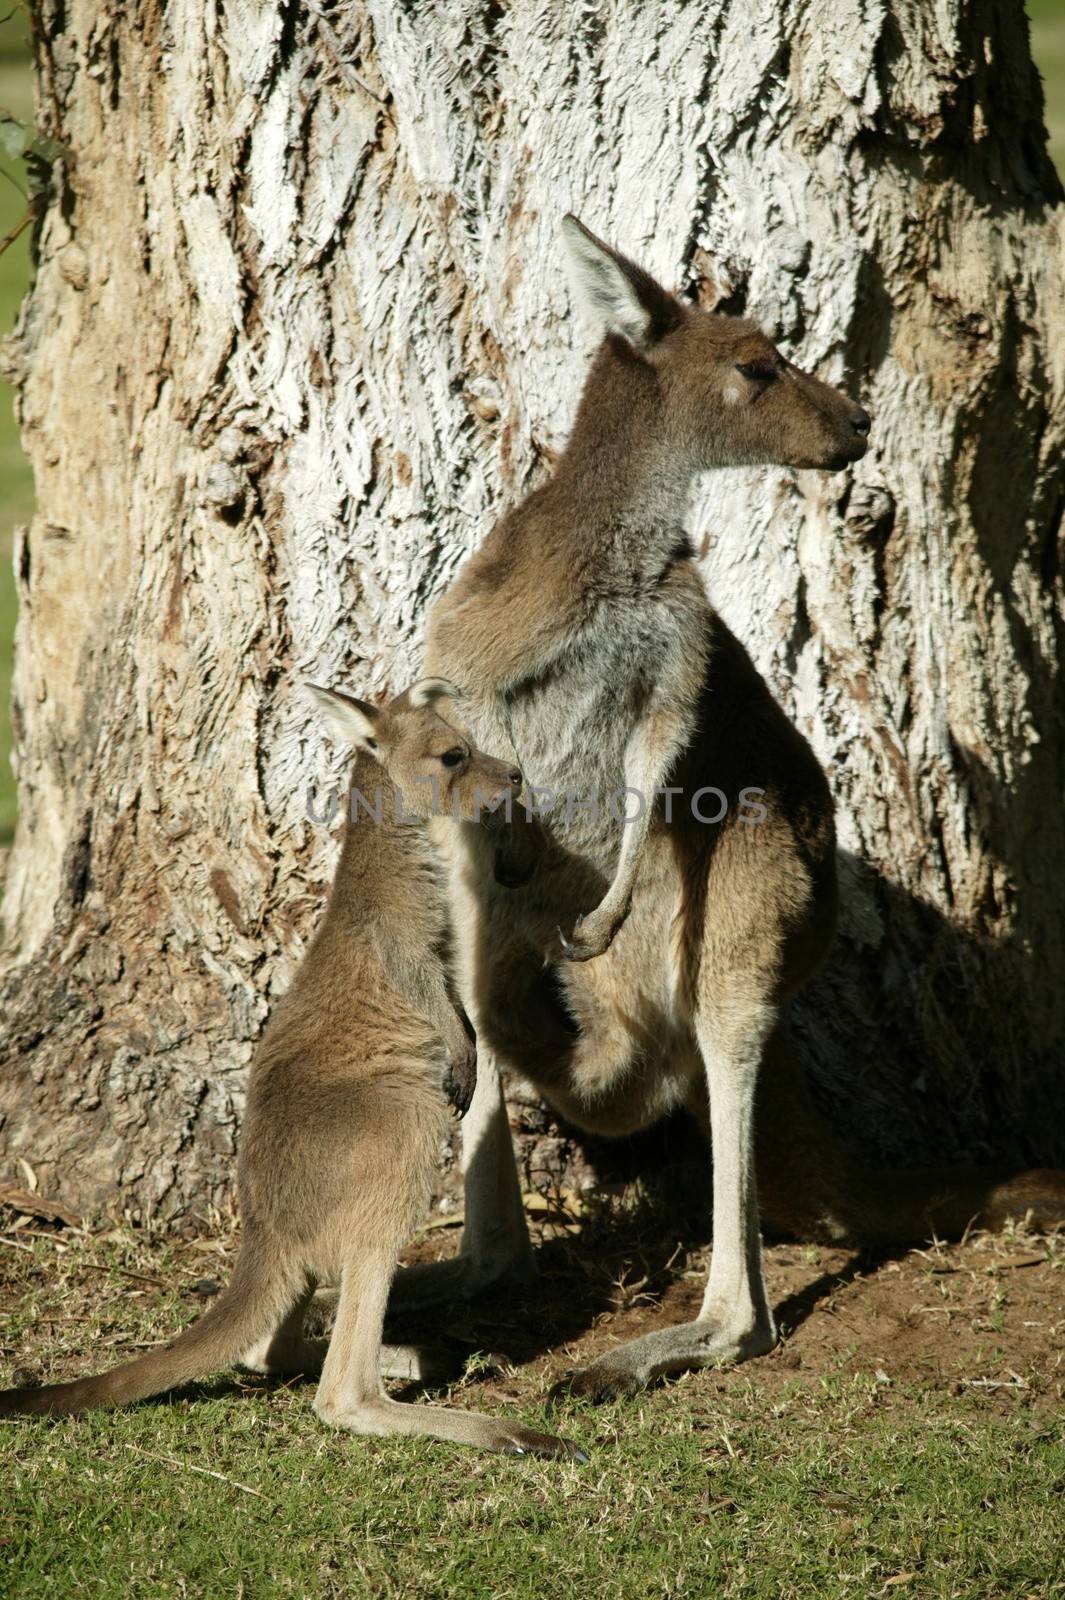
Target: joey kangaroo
346, 1101
588, 648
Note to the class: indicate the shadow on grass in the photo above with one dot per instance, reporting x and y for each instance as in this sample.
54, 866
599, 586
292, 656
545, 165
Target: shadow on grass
617, 1266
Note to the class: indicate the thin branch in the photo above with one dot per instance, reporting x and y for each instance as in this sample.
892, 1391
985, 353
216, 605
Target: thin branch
128, 1272
13, 235
187, 1466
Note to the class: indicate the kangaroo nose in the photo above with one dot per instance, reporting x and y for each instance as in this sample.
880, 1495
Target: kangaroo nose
516, 778
861, 422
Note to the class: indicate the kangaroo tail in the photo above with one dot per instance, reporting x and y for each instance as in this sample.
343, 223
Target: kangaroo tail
811, 1186
256, 1300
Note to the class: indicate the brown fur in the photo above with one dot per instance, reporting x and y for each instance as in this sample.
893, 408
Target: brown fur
346, 1104
586, 640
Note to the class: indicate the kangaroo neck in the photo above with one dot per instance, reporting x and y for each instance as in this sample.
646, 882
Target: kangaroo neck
374, 799
622, 482
381, 837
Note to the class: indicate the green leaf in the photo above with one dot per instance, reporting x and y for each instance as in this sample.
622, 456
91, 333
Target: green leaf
13, 137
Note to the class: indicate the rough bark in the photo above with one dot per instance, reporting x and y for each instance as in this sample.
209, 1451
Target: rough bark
299, 328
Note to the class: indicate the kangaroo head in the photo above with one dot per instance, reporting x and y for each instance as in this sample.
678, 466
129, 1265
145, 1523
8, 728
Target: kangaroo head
728, 396
429, 761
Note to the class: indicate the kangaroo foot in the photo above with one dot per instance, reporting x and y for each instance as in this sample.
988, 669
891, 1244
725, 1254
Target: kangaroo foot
593, 934
631, 1367
382, 1417
458, 1279
276, 1358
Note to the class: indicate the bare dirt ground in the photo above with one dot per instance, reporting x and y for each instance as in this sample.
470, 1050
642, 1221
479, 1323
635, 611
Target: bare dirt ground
987, 1314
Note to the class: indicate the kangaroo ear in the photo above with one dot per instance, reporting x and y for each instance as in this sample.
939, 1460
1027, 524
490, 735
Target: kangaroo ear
428, 690
351, 720
615, 295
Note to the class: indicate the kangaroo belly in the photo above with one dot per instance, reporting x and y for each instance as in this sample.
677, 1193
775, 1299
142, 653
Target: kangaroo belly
608, 1043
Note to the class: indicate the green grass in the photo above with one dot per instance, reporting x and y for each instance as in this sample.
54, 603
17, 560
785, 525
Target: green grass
16, 480
1048, 48
830, 1494
811, 1472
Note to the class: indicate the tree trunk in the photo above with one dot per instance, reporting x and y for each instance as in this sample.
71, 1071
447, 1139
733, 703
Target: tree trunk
300, 329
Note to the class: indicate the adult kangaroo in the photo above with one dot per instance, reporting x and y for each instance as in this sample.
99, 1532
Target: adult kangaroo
627, 970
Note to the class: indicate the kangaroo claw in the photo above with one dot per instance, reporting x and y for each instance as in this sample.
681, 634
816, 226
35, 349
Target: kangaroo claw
576, 948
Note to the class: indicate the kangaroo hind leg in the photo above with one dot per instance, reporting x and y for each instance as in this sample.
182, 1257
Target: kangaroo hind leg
734, 1321
286, 1349
351, 1396
495, 1240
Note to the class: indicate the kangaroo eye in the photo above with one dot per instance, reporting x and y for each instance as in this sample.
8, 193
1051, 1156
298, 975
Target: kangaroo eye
757, 371
453, 758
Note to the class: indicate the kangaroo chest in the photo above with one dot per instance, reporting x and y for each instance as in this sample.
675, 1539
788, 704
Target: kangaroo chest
570, 726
